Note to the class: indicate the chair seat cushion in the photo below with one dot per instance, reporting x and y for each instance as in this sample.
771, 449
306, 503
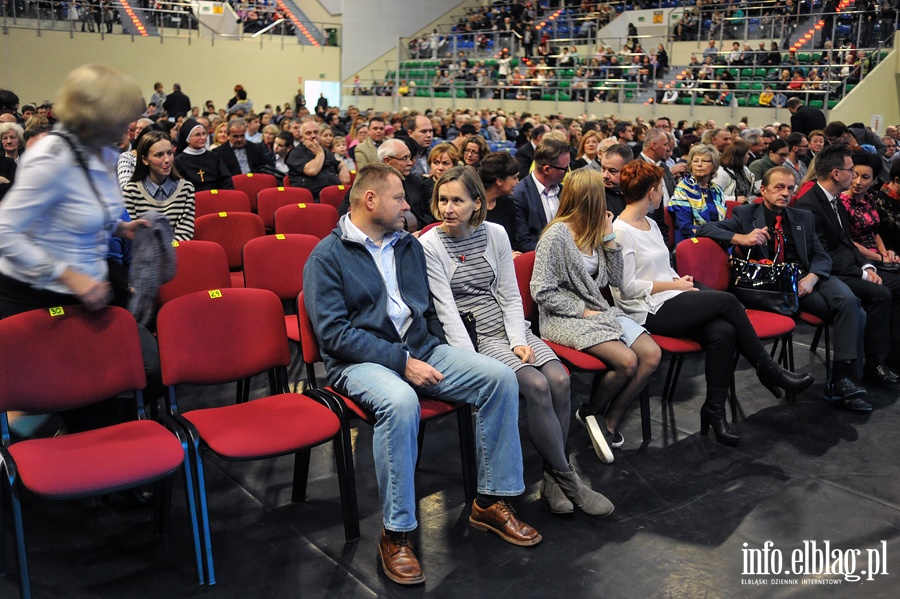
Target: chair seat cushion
265, 427
577, 359
428, 408
98, 461
677, 345
810, 319
769, 325
237, 279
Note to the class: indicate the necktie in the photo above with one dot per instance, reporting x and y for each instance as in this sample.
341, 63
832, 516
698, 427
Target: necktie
779, 237
837, 212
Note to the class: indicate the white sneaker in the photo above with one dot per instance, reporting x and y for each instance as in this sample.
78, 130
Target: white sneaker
597, 433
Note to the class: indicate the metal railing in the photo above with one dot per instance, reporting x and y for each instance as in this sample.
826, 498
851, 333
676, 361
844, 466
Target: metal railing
168, 18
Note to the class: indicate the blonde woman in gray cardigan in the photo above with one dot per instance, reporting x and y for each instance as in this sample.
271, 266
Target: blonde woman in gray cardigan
470, 271
576, 257
156, 185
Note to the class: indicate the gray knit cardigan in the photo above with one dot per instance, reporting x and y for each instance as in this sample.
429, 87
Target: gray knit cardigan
563, 289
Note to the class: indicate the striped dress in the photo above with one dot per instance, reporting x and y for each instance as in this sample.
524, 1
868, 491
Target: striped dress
178, 208
471, 287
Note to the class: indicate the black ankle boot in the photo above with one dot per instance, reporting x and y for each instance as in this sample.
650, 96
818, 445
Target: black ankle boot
774, 377
713, 414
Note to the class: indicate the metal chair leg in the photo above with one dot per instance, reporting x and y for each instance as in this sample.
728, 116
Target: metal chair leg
301, 475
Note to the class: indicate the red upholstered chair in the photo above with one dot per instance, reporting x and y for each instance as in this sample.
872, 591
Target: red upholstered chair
201, 265
427, 228
70, 357
670, 222
231, 230
706, 261
286, 182
430, 409
572, 358
318, 220
270, 200
821, 327
333, 195
352, 177
214, 338
220, 200
730, 205
275, 262
252, 184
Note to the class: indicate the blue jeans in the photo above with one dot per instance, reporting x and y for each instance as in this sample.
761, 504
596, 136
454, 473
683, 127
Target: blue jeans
468, 377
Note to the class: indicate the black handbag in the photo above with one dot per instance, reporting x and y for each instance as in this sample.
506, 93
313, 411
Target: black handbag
771, 287
468, 320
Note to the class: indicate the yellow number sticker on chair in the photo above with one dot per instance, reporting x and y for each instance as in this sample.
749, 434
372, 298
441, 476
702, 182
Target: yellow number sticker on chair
214, 191
175, 243
301, 205
223, 214
214, 293
279, 236
58, 311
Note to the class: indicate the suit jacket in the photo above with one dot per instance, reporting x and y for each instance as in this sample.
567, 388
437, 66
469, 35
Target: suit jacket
525, 156
530, 217
811, 255
257, 157
847, 261
807, 119
366, 153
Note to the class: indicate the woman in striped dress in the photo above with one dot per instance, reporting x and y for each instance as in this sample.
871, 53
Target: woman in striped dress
470, 272
156, 185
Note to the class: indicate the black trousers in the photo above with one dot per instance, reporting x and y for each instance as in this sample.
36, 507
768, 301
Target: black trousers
882, 306
832, 300
717, 321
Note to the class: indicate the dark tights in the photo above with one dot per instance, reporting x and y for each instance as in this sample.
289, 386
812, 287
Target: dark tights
716, 320
546, 393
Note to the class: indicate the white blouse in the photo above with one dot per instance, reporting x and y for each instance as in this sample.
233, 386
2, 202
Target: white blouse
645, 260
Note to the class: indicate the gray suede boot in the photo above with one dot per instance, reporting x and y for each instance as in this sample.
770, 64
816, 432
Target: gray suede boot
553, 495
586, 499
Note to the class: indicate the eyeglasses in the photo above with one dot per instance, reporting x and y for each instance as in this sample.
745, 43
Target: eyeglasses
408, 157
844, 169
783, 154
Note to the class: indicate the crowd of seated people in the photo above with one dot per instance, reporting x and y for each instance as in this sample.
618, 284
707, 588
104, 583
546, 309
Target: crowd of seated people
590, 196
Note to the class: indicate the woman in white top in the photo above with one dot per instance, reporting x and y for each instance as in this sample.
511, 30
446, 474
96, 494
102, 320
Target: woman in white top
733, 176
653, 294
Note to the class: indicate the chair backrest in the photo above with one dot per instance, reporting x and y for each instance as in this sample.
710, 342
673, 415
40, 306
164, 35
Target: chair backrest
270, 200
275, 262
68, 357
309, 345
670, 222
352, 177
730, 205
220, 200
705, 260
318, 220
427, 228
219, 336
252, 184
231, 230
334, 195
200, 265
524, 266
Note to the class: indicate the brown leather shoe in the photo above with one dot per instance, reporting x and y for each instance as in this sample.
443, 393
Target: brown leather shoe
501, 520
398, 559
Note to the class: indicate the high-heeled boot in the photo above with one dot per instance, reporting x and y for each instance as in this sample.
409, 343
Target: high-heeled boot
713, 414
774, 377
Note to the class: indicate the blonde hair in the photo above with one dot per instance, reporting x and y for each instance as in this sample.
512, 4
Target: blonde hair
96, 102
582, 206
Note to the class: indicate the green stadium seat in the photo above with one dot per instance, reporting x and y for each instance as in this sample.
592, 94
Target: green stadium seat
832, 104
803, 57
743, 86
742, 101
757, 87
816, 104
759, 73
746, 73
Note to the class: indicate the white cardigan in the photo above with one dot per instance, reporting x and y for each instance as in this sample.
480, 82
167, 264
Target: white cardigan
441, 268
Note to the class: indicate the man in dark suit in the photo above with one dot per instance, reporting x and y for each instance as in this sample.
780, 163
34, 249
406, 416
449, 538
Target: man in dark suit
525, 154
655, 149
805, 119
177, 104
757, 226
879, 292
242, 156
537, 195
